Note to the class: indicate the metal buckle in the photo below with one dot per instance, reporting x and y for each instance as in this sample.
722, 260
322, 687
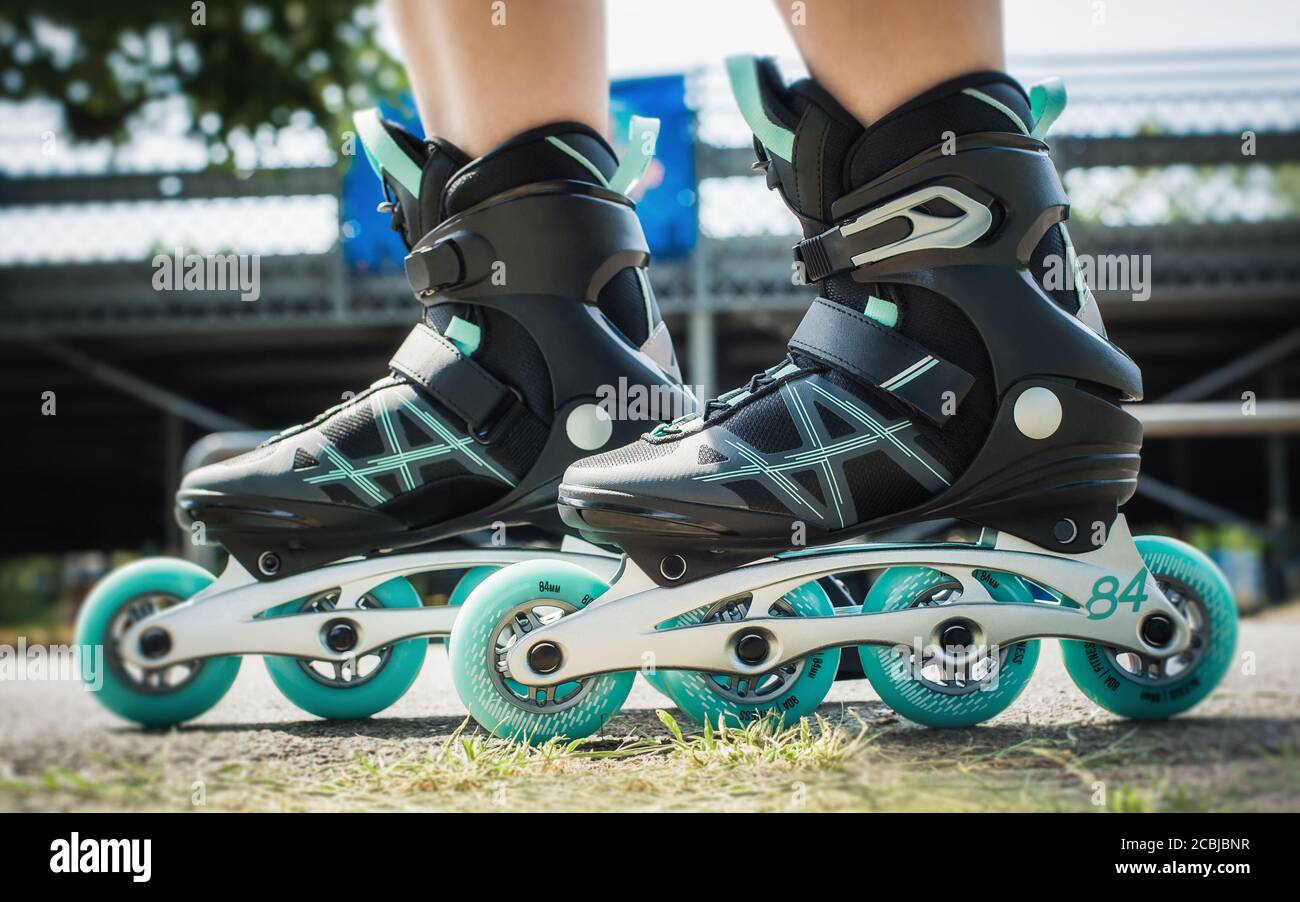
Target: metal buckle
500, 423
435, 267
928, 232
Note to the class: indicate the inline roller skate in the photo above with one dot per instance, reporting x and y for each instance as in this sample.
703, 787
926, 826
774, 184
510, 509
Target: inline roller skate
530, 262
940, 374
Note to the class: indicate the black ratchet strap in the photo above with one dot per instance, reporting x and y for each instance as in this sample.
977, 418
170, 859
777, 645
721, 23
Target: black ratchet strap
432, 362
841, 337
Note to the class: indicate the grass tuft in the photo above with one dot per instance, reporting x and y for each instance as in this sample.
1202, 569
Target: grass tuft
833, 761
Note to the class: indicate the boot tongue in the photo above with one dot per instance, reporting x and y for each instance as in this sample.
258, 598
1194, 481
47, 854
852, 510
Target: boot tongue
563, 150
414, 173
824, 137
440, 159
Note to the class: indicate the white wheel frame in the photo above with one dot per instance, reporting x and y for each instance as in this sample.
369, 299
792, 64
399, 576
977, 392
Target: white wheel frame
224, 618
618, 630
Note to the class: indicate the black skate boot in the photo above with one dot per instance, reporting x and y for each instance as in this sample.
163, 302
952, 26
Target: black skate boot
942, 373
532, 271
934, 376
530, 261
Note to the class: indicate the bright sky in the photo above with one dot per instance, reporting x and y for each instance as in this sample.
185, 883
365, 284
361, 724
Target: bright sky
652, 36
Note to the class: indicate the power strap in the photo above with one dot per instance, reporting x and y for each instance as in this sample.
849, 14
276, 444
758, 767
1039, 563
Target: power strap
432, 362
832, 251
841, 337
899, 226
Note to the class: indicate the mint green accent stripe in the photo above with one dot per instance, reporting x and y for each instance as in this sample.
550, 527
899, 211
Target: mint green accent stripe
814, 456
925, 369
384, 151
591, 167
1000, 107
386, 424
867, 420
461, 444
355, 477
1046, 102
464, 335
798, 404
904, 372
391, 436
844, 446
400, 459
635, 159
742, 71
882, 311
778, 479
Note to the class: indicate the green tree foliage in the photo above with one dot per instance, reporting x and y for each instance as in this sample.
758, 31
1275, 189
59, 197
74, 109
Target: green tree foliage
239, 65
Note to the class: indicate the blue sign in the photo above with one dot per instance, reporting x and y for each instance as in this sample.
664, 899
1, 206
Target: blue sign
666, 196
667, 200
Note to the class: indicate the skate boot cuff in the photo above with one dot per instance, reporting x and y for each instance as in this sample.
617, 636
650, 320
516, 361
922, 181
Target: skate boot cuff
820, 161
814, 152
413, 173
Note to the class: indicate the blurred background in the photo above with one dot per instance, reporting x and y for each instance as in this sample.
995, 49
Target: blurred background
133, 130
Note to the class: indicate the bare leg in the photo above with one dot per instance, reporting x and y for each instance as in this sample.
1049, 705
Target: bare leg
484, 72
873, 55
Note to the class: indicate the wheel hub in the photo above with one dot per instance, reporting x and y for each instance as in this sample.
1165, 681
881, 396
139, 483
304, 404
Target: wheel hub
1161, 671
155, 642
957, 635
545, 657
752, 648
966, 672
754, 687
341, 635
1157, 630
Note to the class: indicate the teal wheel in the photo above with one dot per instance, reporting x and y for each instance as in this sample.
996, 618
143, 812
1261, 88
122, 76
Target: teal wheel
791, 691
921, 687
1132, 685
656, 679
158, 697
506, 606
464, 586
468, 583
359, 687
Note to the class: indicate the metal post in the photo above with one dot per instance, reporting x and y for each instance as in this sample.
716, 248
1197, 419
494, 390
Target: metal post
1279, 490
172, 441
703, 351
702, 370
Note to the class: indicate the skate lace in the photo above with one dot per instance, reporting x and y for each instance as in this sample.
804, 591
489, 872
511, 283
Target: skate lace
724, 401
